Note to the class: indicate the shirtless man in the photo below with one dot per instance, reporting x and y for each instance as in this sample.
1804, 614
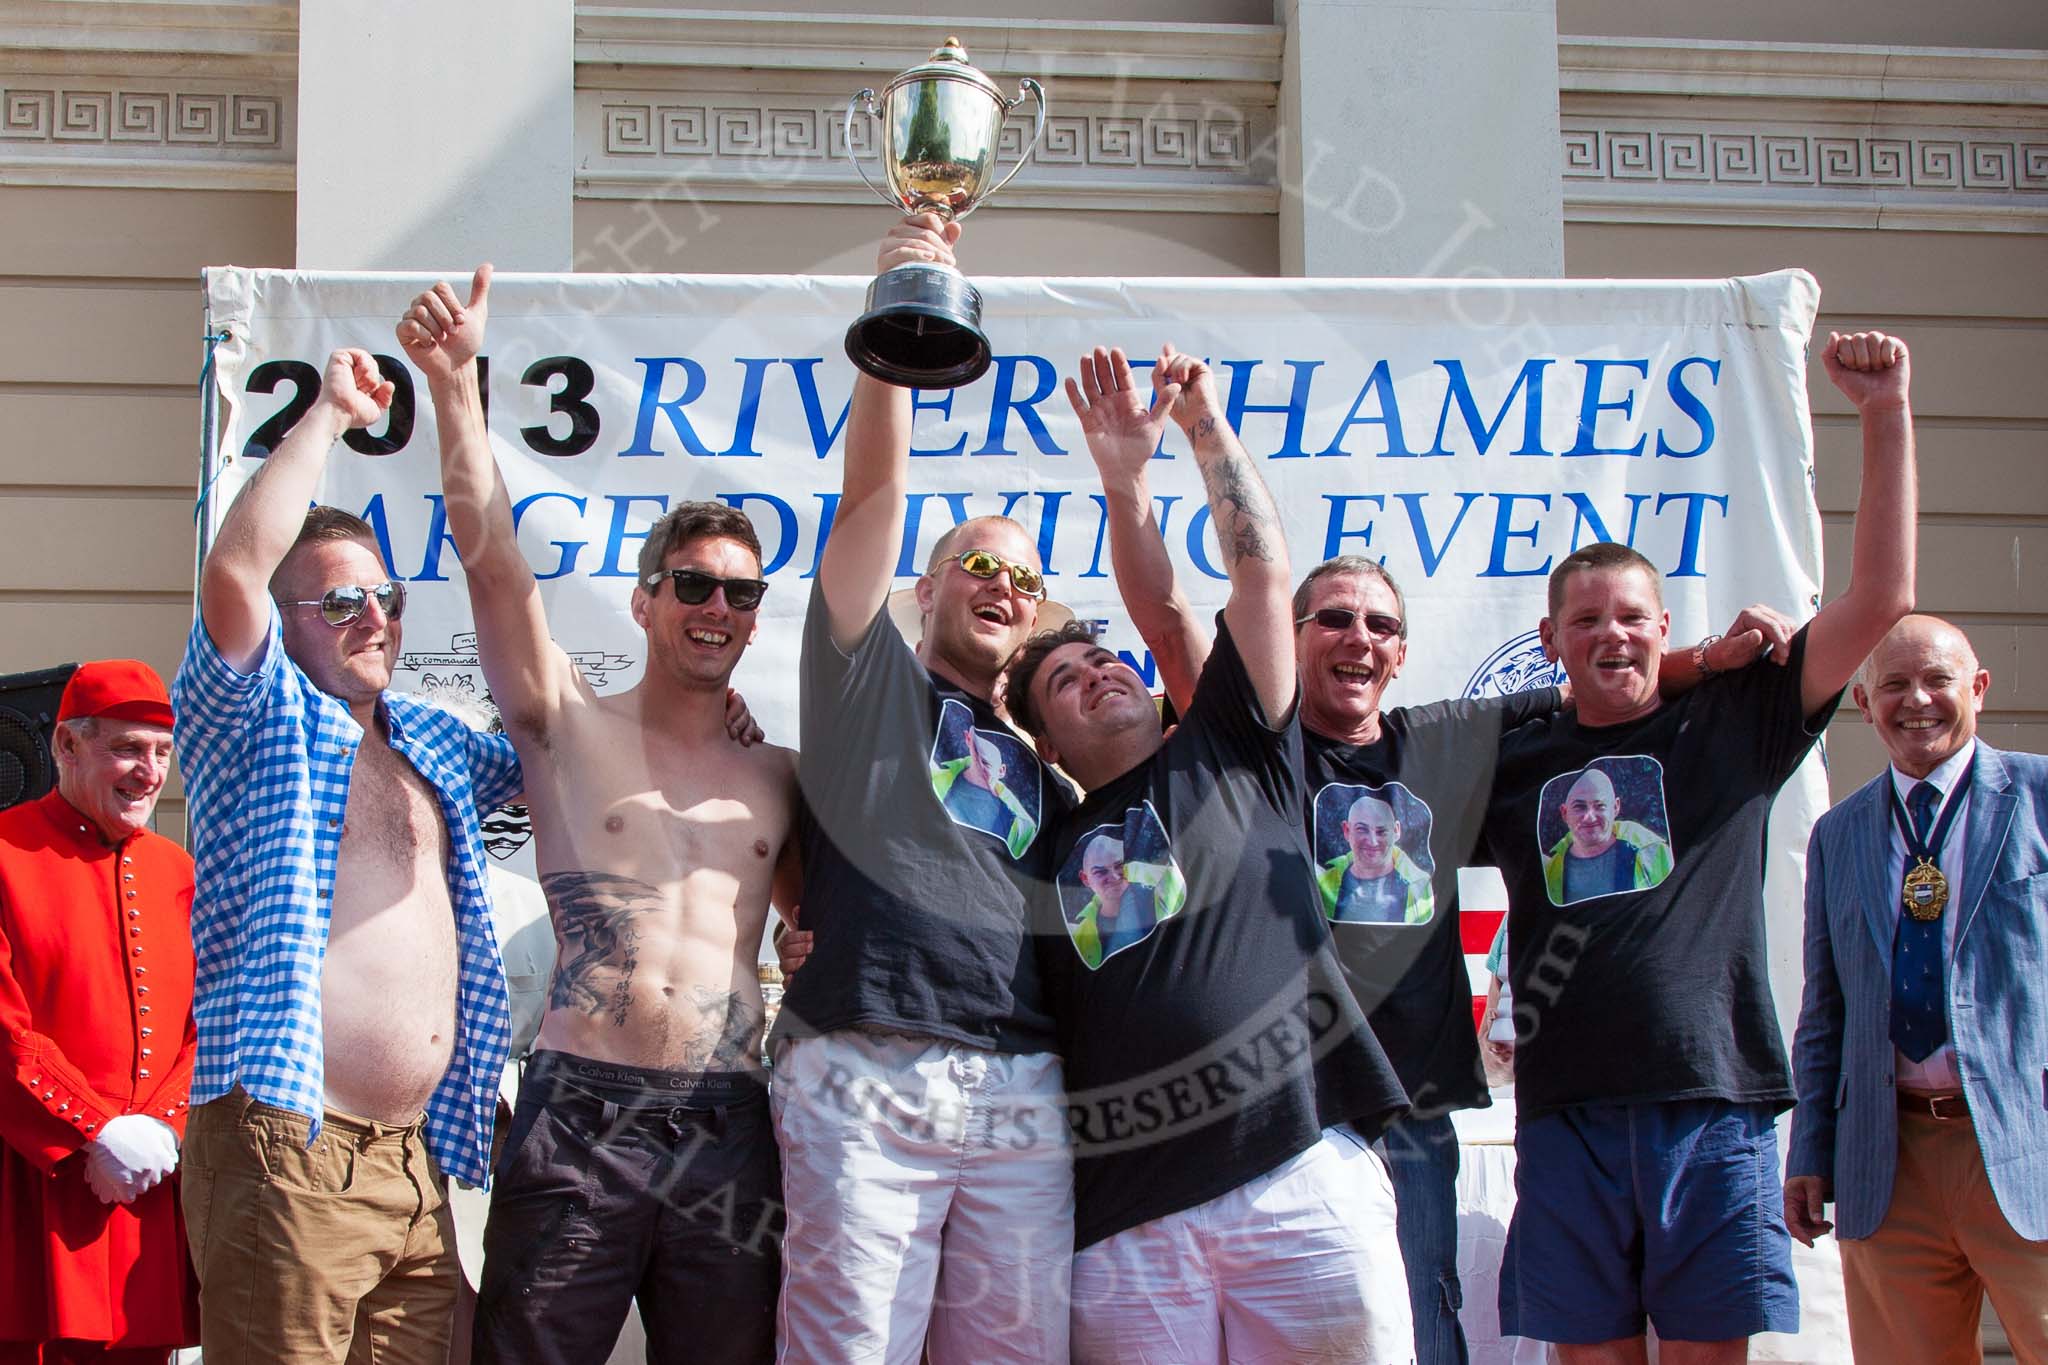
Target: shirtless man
640, 1161
350, 1000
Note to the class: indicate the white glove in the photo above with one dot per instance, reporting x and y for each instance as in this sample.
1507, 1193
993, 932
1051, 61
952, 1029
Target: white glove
133, 1153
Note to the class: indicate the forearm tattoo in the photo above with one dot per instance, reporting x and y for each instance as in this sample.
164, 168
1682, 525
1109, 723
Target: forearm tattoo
595, 914
1242, 508
728, 1036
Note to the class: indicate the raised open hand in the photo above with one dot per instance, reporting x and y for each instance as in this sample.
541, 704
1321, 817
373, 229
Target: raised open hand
1121, 421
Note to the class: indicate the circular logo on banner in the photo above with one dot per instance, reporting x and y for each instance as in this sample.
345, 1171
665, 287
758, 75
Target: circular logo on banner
1517, 666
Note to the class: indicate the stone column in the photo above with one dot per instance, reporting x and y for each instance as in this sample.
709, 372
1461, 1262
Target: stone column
434, 136
1420, 138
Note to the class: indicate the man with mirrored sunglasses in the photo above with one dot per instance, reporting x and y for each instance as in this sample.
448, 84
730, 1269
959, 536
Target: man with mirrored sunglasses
345, 603
640, 1163
350, 999
1433, 761
925, 1157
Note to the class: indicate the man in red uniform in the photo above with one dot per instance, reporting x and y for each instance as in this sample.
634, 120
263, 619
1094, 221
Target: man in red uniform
96, 1041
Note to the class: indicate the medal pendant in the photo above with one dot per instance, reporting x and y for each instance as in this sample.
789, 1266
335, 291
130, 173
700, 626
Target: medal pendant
1926, 891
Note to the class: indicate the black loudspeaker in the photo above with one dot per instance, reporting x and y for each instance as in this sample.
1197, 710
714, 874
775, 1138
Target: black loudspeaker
28, 713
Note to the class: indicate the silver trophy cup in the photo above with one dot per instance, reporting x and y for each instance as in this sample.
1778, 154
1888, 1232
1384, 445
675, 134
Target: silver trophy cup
939, 124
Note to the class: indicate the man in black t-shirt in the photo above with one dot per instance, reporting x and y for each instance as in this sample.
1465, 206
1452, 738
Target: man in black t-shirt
1222, 1081
916, 1093
1432, 766
1647, 1042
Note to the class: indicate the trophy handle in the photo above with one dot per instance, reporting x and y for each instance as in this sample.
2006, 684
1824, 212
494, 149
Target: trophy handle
864, 103
1037, 93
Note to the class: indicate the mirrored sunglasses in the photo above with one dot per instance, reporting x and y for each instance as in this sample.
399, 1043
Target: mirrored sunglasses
694, 588
1379, 625
345, 604
987, 564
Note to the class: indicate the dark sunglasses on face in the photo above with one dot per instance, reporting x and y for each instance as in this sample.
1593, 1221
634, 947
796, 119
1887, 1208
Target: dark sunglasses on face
987, 564
345, 604
1377, 624
694, 588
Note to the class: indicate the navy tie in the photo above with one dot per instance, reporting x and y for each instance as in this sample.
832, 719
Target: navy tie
1919, 985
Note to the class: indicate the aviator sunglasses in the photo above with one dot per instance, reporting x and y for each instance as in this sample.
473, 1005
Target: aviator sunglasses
345, 604
987, 564
694, 588
1377, 624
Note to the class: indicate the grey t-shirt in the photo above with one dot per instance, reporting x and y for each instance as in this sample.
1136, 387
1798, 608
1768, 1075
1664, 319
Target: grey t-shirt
919, 851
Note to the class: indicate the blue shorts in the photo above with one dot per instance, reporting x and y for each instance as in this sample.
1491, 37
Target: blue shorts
1671, 1211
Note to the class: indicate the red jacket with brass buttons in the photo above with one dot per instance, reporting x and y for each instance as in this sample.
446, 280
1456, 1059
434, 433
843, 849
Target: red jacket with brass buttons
95, 1022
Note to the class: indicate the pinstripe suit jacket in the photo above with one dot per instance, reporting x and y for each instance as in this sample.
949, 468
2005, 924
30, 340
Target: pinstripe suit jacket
1845, 1128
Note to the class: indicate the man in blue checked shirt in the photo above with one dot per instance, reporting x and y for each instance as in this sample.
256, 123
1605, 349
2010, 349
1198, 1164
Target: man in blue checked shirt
350, 999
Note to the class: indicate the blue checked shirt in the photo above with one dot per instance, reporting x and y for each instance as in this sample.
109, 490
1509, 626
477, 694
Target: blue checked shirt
267, 758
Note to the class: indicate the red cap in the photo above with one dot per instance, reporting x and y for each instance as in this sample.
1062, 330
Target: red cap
122, 689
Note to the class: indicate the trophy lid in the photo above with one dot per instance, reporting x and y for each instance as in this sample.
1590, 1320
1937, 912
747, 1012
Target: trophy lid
948, 62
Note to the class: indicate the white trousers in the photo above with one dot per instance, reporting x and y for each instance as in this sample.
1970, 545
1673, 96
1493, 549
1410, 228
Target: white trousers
930, 1193
1298, 1265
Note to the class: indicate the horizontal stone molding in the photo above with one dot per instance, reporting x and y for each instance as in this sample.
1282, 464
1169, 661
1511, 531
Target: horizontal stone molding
151, 173
725, 40
1785, 175
1935, 160
1166, 155
1027, 191
130, 120
1802, 71
743, 105
135, 32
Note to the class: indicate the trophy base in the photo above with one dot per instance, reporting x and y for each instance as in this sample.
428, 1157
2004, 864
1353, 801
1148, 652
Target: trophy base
921, 329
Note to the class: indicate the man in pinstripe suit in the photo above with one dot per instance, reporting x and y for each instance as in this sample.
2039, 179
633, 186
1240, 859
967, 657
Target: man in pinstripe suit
1922, 1050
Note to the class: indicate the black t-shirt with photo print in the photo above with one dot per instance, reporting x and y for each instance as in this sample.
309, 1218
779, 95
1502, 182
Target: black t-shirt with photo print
1224, 1041
917, 880
1659, 991
1411, 979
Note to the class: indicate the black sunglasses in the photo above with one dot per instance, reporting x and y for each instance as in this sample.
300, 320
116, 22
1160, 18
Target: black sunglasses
987, 564
693, 588
344, 605
1379, 625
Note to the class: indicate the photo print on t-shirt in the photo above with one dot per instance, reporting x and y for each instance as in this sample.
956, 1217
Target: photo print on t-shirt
1604, 829
986, 779
1119, 884
1373, 863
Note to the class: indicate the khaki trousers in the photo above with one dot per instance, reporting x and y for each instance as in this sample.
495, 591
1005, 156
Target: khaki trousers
344, 1251
1916, 1287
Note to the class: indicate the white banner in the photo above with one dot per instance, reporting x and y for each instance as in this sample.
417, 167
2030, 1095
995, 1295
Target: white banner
1468, 434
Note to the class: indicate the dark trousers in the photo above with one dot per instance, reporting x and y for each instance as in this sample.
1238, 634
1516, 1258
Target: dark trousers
1422, 1159
618, 1184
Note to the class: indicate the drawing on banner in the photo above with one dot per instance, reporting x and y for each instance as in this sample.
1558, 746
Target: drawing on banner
1517, 666
1373, 862
986, 779
454, 682
1120, 883
1604, 829
596, 664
